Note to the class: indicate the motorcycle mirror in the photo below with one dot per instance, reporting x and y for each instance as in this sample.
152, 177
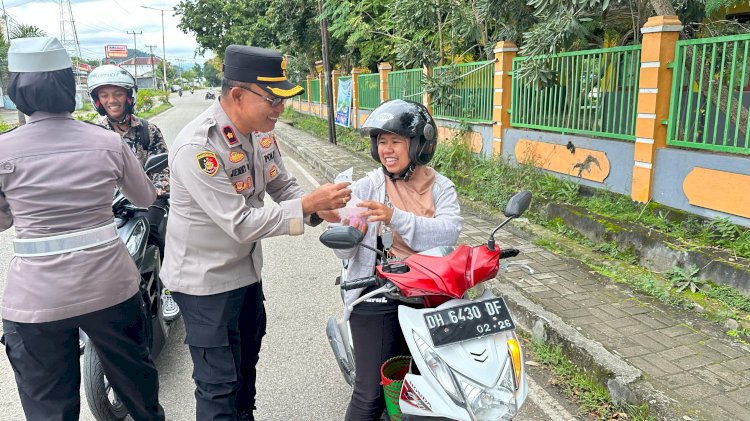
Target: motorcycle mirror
156, 163
518, 204
341, 237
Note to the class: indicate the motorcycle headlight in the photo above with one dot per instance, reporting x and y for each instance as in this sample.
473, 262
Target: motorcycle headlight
439, 369
495, 403
132, 241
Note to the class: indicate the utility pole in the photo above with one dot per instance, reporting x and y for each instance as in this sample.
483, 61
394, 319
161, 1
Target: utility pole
327, 71
135, 54
163, 44
153, 71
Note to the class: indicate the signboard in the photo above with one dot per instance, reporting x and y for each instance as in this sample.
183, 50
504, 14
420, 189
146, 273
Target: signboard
85, 67
115, 51
344, 102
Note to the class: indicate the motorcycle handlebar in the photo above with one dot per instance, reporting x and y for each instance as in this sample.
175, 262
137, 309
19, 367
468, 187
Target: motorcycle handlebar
510, 252
360, 283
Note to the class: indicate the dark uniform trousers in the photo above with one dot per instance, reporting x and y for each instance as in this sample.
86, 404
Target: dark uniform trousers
224, 333
45, 360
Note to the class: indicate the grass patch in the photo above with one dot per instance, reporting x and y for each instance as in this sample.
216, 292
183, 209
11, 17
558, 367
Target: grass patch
592, 397
347, 137
154, 111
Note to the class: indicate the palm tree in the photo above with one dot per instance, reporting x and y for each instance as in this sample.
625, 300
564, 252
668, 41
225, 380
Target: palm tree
26, 31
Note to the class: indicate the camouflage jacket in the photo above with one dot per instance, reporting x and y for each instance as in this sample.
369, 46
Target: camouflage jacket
156, 145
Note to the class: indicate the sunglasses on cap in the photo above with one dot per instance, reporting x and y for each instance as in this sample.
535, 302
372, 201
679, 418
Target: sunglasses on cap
274, 101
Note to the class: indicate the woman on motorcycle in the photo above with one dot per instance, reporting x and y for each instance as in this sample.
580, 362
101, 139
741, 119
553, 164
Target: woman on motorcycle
420, 208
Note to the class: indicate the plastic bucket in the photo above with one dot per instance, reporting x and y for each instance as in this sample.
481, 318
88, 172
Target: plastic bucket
392, 374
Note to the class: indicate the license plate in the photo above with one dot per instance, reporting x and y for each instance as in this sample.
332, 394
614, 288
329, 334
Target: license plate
468, 321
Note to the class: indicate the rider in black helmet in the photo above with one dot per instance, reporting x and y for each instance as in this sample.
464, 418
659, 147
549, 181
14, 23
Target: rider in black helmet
415, 204
410, 120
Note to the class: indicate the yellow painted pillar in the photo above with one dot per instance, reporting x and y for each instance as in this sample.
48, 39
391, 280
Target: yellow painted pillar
355, 97
660, 36
427, 98
309, 94
322, 93
384, 69
505, 52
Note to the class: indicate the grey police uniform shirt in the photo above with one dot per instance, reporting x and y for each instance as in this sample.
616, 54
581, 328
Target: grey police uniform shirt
219, 179
58, 175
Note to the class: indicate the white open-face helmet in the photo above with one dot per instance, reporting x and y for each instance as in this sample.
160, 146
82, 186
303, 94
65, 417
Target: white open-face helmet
115, 76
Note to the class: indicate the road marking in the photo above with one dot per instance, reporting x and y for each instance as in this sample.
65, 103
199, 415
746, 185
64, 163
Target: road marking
547, 403
304, 172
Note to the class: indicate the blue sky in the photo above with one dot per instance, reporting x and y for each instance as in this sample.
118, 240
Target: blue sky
102, 22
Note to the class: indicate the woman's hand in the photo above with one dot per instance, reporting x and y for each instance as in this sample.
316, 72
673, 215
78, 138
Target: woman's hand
377, 211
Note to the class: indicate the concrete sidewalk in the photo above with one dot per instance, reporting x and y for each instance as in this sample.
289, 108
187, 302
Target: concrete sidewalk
646, 352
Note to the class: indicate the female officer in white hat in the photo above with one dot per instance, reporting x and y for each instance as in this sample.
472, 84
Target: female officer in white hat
70, 270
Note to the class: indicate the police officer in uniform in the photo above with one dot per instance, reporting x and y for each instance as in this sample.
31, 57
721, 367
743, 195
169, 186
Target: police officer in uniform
70, 270
222, 165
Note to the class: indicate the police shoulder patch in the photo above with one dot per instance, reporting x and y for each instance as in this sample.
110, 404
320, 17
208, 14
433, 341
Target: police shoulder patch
273, 171
235, 156
266, 142
229, 135
208, 163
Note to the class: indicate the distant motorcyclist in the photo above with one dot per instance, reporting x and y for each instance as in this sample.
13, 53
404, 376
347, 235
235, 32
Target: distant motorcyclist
113, 92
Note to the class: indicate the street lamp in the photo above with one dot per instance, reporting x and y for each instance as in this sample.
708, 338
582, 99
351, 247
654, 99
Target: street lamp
163, 44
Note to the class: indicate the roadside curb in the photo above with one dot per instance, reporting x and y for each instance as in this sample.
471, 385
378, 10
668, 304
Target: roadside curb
625, 383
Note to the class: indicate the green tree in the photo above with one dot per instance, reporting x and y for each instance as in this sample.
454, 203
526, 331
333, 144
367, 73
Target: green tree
26, 31
211, 72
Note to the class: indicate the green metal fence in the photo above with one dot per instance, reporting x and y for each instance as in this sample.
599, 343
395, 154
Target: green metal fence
405, 84
595, 93
369, 91
305, 94
470, 95
315, 90
711, 94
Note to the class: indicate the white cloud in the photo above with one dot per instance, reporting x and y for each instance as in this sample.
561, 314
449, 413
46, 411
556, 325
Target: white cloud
102, 22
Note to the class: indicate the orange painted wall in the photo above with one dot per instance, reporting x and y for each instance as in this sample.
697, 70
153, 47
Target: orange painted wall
718, 190
588, 164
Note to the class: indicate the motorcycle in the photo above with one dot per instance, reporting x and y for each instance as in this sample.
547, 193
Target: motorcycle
133, 229
466, 359
179, 92
210, 95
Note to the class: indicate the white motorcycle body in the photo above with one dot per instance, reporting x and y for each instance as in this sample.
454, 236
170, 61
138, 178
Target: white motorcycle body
470, 380
473, 380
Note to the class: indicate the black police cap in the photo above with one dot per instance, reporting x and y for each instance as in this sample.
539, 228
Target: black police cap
261, 66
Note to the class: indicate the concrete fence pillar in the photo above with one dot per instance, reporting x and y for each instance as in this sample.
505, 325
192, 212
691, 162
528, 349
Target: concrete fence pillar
505, 52
355, 97
660, 34
383, 70
322, 93
309, 94
426, 97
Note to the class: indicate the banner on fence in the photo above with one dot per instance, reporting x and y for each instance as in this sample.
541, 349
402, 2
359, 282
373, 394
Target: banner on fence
344, 102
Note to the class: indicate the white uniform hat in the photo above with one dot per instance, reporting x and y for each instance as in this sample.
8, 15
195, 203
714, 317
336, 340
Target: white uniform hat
38, 54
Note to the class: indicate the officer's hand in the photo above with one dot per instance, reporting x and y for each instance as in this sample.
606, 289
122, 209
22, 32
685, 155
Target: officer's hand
329, 216
326, 197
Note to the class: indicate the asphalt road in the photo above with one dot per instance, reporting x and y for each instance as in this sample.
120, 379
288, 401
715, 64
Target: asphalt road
298, 378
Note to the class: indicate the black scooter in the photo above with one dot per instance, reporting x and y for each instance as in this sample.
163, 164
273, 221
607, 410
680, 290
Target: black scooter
132, 228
